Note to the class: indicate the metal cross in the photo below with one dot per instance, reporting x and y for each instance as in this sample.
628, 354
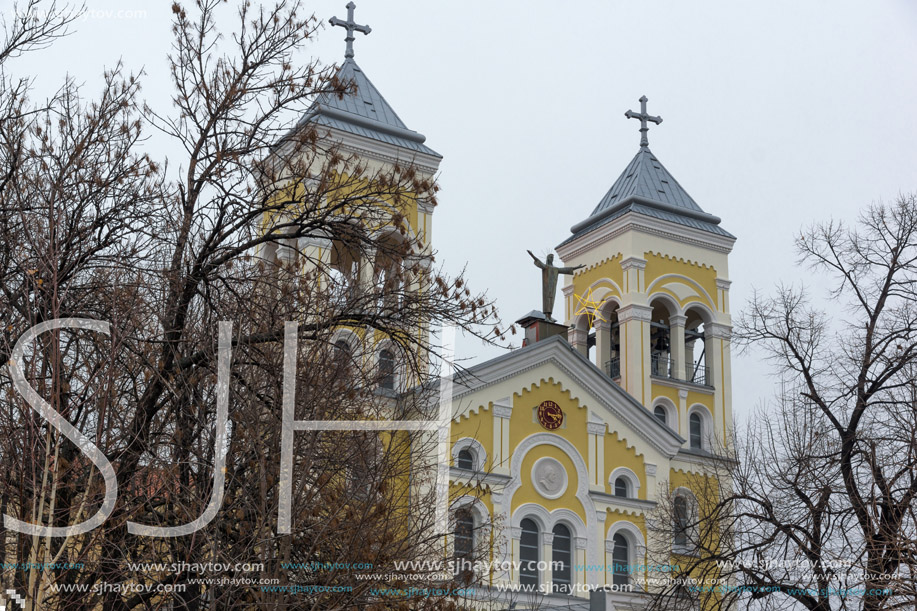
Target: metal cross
351, 27
643, 119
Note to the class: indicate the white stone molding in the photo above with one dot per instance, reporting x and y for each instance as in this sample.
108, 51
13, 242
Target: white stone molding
549, 478
719, 330
632, 221
503, 408
631, 532
633, 263
650, 469
582, 485
581, 542
632, 480
723, 284
682, 393
596, 428
478, 453
707, 426
671, 411
677, 320
547, 538
635, 312
547, 520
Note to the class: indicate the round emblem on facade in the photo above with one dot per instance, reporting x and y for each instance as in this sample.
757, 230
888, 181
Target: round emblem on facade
549, 477
550, 415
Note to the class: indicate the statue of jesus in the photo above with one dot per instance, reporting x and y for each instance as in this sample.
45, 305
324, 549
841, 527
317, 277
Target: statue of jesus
549, 273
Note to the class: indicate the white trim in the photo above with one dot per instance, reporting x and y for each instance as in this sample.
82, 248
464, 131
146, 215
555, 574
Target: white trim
707, 426
539, 488
482, 523
633, 482
394, 349
671, 411
582, 488
618, 405
692, 518
668, 300
547, 520
632, 221
636, 545
478, 453
707, 315
349, 336
633, 263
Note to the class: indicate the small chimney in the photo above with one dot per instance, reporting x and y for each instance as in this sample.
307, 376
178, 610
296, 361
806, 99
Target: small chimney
538, 327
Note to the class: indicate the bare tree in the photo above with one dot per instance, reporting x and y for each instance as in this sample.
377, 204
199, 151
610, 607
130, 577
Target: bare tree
820, 513
93, 227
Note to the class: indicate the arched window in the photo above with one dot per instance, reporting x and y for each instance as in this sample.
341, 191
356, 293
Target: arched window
561, 557
660, 414
621, 487
680, 523
465, 460
696, 431
528, 554
620, 557
386, 370
343, 354
464, 543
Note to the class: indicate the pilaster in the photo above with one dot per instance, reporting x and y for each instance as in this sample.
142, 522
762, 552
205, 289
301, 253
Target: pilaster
502, 412
596, 447
635, 338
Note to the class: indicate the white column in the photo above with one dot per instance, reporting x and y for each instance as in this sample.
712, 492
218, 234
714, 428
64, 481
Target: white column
602, 344
515, 536
579, 573
682, 413
501, 553
596, 448
717, 339
502, 412
677, 344
579, 339
651, 484
635, 353
547, 547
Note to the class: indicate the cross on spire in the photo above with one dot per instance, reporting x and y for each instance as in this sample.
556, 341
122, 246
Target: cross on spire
644, 143
351, 27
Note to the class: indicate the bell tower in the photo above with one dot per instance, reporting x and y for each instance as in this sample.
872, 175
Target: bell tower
650, 307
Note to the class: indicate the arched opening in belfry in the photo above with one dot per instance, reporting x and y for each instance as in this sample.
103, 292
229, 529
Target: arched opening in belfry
697, 359
344, 270
608, 340
389, 281
661, 363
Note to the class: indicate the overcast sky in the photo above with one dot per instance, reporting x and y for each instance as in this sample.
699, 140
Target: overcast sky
777, 114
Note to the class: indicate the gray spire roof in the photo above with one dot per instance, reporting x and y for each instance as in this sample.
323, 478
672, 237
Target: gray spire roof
647, 188
364, 112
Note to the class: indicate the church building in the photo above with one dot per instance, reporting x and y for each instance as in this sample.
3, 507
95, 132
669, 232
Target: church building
574, 456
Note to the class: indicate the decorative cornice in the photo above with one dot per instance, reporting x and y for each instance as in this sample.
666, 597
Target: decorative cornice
620, 502
719, 330
677, 320
635, 311
501, 411
633, 221
683, 385
548, 538
581, 542
425, 206
596, 428
722, 283
633, 262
